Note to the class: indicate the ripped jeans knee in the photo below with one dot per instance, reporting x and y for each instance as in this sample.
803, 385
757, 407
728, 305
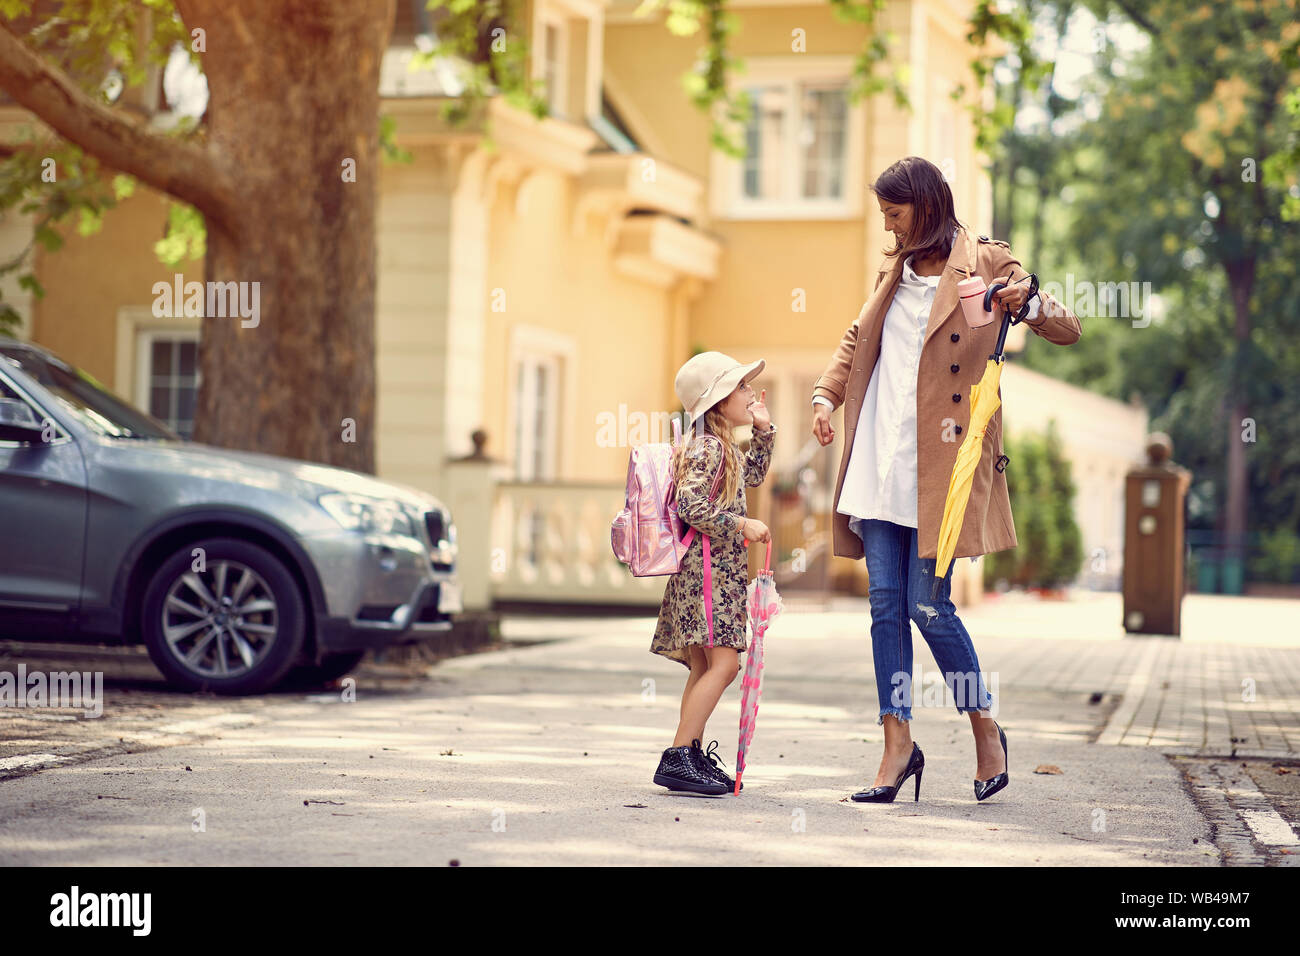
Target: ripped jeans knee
924, 614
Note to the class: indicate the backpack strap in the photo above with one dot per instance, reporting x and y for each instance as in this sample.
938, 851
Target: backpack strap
708, 589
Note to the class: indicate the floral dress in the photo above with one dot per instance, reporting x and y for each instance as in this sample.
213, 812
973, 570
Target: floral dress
681, 615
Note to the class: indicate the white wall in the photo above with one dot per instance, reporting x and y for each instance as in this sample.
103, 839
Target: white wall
1102, 438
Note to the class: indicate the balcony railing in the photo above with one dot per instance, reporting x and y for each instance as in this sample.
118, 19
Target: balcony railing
550, 542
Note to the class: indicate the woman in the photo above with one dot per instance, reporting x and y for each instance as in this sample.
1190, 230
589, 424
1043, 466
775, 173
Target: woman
903, 371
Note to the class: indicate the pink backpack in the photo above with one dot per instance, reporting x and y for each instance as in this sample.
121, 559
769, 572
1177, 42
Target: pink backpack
647, 535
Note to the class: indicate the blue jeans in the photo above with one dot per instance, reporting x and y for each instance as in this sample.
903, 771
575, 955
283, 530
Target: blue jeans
900, 593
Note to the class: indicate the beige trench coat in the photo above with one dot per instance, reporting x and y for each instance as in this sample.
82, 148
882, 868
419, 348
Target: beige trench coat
953, 358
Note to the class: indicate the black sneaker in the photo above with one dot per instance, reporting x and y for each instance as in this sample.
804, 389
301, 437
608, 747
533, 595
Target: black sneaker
711, 763
679, 770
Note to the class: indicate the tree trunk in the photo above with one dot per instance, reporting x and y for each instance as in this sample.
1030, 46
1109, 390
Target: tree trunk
294, 96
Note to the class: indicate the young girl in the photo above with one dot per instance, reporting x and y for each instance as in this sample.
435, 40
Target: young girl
714, 389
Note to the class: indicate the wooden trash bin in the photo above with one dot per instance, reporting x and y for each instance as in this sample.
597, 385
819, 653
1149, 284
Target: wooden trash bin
1153, 542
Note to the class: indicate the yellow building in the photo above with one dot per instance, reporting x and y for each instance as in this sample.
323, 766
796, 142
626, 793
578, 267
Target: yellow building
546, 291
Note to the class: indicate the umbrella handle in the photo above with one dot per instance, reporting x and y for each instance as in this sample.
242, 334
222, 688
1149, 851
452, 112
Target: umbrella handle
767, 562
1006, 319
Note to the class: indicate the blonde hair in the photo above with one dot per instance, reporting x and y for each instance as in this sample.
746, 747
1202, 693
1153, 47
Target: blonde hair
714, 423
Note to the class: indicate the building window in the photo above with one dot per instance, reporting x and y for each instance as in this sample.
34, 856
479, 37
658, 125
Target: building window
554, 61
537, 400
537, 410
803, 145
793, 158
764, 174
169, 377
821, 142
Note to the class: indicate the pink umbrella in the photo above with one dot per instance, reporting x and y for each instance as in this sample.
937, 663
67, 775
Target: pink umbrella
764, 604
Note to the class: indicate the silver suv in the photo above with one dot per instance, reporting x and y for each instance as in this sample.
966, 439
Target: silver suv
230, 567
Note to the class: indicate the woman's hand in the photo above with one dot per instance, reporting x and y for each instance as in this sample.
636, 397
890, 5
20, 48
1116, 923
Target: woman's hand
1012, 297
762, 418
821, 426
754, 530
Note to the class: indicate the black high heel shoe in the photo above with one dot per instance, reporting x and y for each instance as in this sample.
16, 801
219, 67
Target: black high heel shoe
986, 788
915, 764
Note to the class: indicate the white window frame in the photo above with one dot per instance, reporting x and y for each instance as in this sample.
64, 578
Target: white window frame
144, 361
562, 14
726, 193
133, 322
557, 94
533, 463
531, 347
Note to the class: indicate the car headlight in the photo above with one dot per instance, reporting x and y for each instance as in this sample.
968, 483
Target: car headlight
368, 515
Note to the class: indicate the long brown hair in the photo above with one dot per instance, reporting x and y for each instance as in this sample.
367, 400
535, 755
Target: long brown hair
920, 183
714, 423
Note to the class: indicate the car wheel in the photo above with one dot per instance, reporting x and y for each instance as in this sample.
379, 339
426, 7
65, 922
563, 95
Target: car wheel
331, 668
234, 627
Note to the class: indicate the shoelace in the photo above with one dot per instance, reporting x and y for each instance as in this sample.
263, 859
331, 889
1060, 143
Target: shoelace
711, 755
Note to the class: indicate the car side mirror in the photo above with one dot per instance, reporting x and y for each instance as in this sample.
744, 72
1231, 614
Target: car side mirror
18, 422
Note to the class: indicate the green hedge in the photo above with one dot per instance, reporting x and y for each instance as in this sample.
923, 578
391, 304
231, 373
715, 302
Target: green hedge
1042, 491
1276, 557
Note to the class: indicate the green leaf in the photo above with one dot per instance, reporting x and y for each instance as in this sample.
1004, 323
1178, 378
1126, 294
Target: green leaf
123, 186
388, 142
32, 285
10, 321
186, 236
48, 238
92, 221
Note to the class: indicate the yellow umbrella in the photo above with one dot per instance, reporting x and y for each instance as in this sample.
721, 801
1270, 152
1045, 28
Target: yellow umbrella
984, 401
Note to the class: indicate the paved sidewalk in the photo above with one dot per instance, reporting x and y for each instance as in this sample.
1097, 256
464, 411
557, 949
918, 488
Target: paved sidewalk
1229, 686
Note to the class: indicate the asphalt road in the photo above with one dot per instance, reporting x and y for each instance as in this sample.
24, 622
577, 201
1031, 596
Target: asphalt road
542, 753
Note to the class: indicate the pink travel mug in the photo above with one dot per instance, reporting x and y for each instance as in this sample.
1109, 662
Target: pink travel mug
971, 293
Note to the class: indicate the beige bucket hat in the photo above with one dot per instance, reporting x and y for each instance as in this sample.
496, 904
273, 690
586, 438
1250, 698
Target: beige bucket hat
708, 378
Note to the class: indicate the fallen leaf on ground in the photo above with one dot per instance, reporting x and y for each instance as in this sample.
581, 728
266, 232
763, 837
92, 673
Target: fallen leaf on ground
1048, 768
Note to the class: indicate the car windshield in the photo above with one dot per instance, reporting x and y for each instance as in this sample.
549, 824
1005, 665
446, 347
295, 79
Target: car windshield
92, 404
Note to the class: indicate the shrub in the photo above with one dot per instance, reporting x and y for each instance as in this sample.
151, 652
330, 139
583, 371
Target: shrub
1042, 490
1277, 558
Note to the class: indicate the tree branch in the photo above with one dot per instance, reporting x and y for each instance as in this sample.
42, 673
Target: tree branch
1137, 18
181, 169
